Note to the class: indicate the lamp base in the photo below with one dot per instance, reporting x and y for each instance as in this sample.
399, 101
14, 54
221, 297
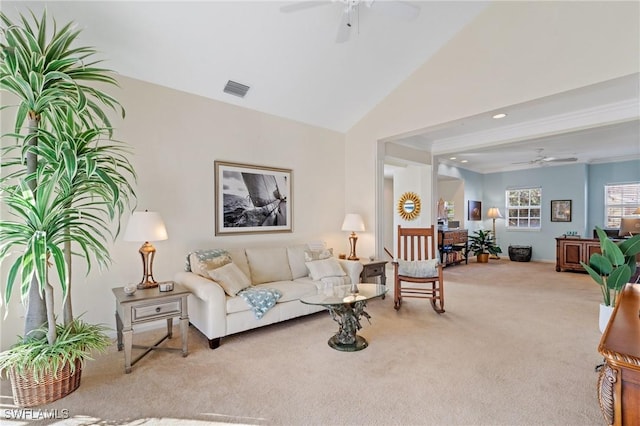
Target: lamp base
147, 284
353, 239
147, 252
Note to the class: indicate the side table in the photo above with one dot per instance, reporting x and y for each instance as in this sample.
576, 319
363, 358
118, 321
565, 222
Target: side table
372, 269
145, 306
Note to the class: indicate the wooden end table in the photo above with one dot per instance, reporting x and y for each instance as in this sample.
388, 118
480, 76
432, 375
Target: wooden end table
374, 269
145, 306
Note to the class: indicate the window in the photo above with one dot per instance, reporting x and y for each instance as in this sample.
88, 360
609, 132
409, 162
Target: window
620, 200
523, 208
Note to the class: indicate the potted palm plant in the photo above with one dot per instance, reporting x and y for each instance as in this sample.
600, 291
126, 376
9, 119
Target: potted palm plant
64, 181
612, 269
482, 244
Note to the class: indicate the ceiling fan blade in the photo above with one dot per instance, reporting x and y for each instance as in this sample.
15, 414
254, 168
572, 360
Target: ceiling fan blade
398, 9
302, 5
560, 160
344, 29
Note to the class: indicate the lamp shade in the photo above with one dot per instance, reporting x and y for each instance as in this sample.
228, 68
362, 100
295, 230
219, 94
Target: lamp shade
352, 222
145, 226
494, 213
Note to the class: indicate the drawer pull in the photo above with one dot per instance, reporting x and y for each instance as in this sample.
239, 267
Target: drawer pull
158, 309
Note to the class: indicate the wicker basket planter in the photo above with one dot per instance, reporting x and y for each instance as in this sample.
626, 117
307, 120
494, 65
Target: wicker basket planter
29, 393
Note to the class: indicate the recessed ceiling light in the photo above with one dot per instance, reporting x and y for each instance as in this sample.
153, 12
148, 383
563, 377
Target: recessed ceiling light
464, 161
452, 158
501, 115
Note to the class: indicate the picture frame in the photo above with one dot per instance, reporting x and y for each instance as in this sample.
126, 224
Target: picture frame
252, 199
560, 210
474, 210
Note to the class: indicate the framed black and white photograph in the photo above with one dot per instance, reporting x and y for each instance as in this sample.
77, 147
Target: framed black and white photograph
475, 210
252, 199
560, 210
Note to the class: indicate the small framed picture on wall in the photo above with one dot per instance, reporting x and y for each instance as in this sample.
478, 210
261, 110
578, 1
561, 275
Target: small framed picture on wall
560, 210
475, 210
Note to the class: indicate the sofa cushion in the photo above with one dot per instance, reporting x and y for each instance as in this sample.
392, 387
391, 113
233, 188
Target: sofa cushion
268, 264
230, 278
290, 291
296, 261
202, 261
330, 267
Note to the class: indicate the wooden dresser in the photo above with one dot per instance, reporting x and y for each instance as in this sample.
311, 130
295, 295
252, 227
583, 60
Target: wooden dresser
619, 381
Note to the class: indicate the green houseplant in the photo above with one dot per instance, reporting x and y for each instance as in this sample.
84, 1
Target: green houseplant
612, 269
482, 244
64, 181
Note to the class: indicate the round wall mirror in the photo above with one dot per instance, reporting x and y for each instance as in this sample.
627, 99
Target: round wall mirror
409, 206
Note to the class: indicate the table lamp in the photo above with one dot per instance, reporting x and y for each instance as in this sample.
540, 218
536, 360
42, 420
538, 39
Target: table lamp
353, 222
494, 214
146, 226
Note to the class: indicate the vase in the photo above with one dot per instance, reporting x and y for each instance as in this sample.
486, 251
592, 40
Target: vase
605, 314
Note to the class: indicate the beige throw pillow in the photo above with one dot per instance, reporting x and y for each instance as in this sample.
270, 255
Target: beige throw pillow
330, 267
311, 255
230, 278
203, 261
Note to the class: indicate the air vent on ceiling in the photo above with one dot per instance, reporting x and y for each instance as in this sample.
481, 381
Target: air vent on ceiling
236, 89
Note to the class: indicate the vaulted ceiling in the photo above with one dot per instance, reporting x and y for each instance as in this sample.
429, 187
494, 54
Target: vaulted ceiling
287, 53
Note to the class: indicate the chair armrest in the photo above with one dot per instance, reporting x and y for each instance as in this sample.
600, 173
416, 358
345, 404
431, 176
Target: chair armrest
353, 268
202, 288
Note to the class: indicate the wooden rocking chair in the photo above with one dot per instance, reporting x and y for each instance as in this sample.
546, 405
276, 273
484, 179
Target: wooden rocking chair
417, 270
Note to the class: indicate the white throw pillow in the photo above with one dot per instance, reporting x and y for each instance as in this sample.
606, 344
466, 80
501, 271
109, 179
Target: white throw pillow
230, 278
319, 269
311, 255
418, 268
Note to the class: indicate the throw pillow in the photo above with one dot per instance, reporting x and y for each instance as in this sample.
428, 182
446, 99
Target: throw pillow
311, 255
418, 268
323, 268
230, 278
202, 261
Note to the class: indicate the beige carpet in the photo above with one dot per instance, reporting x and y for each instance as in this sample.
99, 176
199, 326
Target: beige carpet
517, 346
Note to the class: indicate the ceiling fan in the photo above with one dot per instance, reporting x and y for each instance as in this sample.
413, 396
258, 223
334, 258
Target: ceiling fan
351, 9
542, 160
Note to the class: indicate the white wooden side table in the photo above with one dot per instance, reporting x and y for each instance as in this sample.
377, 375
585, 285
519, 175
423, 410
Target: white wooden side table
145, 306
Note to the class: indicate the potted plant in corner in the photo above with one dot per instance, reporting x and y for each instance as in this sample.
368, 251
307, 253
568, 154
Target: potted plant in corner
64, 181
612, 269
482, 244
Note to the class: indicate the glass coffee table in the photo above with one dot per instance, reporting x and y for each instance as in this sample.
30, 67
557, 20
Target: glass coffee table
346, 308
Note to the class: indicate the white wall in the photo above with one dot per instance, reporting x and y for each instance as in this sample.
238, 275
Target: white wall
511, 53
416, 179
176, 138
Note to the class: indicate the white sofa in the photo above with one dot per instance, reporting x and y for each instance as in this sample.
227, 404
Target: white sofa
216, 313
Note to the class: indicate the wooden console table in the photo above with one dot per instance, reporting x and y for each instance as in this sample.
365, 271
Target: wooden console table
619, 381
570, 251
